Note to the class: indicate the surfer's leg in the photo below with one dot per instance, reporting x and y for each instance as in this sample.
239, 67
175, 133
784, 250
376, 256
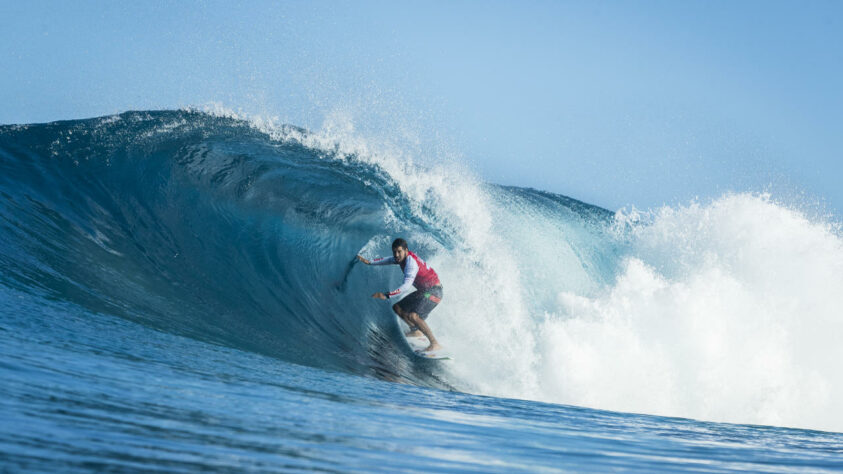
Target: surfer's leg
415, 320
414, 330
414, 310
399, 312
403, 315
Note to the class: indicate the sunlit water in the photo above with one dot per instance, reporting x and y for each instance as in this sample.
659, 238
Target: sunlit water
177, 292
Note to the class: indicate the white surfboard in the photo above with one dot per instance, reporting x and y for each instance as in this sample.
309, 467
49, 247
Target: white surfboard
438, 355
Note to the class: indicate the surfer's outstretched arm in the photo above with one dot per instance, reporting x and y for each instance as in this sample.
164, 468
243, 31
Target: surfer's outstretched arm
383, 261
377, 261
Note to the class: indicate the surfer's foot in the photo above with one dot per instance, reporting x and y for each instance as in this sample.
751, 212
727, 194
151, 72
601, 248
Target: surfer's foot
415, 333
433, 348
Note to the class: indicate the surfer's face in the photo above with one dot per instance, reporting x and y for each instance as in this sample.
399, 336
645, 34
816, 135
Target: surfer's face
400, 253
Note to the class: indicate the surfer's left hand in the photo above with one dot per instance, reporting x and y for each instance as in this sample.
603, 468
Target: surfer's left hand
379, 296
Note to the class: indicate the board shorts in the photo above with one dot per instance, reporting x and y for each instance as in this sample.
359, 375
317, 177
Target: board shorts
422, 302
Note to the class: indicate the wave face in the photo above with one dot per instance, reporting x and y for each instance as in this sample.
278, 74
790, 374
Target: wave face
244, 235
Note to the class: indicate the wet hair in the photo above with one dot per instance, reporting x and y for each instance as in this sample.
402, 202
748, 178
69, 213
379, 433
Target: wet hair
399, 242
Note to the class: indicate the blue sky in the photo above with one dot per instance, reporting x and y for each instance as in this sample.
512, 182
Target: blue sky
615, 103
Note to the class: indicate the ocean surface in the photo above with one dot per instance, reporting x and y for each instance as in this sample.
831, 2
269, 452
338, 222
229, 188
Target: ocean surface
178, 292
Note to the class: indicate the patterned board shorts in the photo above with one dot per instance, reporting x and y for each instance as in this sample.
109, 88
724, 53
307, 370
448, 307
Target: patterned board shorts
422, 302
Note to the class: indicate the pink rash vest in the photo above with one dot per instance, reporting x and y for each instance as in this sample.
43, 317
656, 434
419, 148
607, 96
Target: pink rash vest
416, 273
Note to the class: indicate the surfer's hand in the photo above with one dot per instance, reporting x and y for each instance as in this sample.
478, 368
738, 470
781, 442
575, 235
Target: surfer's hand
362, 259
379, 296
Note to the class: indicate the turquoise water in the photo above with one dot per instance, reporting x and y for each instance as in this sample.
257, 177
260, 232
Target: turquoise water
85, 392
177, 294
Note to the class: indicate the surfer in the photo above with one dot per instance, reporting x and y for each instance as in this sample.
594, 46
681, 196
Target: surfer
415, 308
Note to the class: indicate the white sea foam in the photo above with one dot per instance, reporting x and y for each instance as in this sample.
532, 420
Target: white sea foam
725, 311
730, 311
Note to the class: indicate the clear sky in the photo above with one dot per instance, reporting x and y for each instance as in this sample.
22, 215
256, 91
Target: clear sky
614, 103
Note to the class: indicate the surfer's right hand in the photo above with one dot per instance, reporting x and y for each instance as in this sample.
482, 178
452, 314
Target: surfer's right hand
363, 260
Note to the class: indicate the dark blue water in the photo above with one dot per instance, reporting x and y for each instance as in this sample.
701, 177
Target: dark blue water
177, 292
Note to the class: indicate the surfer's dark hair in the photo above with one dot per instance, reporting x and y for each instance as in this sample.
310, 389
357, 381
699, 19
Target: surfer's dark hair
399, 242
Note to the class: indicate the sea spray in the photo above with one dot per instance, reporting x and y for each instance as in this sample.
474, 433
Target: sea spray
726, 311
238, 232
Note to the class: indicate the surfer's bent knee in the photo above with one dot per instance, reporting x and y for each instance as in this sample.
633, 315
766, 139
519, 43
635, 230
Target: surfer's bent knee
397, 309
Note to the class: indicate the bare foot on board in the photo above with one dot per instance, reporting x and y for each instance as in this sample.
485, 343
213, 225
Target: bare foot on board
433, 348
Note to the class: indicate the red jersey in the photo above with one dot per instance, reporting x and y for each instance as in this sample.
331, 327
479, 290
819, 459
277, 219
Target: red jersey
416, 273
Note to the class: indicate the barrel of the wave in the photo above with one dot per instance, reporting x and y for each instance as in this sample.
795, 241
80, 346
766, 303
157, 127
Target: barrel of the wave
415, 307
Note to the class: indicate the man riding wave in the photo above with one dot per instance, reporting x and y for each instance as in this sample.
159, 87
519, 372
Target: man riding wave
416, 306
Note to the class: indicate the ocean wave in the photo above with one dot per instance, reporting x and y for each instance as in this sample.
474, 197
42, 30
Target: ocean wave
242, 232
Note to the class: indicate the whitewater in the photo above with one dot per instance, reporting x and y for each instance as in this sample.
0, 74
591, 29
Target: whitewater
184, 282
727, 311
